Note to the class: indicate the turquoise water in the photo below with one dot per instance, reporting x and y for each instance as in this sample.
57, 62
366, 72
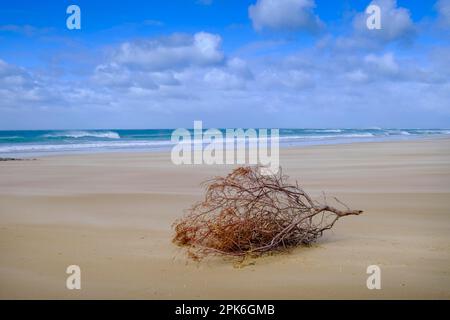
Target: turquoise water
33, 143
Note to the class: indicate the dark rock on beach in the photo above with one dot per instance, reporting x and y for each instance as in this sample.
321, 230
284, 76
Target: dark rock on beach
14, 159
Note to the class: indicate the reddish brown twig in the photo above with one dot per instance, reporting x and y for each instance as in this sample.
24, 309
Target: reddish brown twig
250, 213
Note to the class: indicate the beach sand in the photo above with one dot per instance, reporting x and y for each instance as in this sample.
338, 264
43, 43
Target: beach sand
111, 214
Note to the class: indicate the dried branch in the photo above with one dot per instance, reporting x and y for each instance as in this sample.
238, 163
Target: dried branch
249, 213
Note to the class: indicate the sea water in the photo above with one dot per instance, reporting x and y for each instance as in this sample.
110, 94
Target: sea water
47, 142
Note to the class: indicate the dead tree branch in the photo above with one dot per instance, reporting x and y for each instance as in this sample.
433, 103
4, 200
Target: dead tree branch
249, 213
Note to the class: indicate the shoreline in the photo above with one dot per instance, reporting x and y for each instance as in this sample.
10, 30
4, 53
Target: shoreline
111, 214
283, 146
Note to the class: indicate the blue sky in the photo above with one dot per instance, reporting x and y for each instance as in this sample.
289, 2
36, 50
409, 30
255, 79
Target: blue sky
230, 63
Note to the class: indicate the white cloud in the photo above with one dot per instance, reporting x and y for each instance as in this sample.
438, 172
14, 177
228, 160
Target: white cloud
177, 60
278, 78
173, 52
17, 84
357, 75
291, 15
234, 75
170, 81
120, 76
396, 23
385, 63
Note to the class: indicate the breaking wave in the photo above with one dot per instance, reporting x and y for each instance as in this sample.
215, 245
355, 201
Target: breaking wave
83, 134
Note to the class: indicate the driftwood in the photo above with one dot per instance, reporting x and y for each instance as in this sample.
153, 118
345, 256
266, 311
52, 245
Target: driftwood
246, 213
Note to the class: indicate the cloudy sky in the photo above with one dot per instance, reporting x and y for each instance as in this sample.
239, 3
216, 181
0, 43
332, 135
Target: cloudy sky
230, 63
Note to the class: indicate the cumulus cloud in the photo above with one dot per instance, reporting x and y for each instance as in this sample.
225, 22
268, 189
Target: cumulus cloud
234, 75
17, 84
164, 63
170, 81
21, 89
396, 23
279, 78
290, 15
172, 52
385, 63
115, 75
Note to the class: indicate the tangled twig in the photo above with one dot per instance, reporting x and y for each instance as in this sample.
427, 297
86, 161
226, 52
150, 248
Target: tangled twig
250, 213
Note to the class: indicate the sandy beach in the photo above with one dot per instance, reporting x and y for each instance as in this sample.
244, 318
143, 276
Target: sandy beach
111, 214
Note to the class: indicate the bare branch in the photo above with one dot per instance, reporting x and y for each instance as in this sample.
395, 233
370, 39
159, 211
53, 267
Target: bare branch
249, 213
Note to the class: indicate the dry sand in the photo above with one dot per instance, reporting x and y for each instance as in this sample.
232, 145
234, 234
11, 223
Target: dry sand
111, 214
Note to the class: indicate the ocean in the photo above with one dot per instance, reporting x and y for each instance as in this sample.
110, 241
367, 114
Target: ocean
40, 143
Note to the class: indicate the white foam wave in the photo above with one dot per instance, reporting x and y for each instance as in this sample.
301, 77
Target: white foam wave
84, 134
82, 146
350, 135
324, 130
